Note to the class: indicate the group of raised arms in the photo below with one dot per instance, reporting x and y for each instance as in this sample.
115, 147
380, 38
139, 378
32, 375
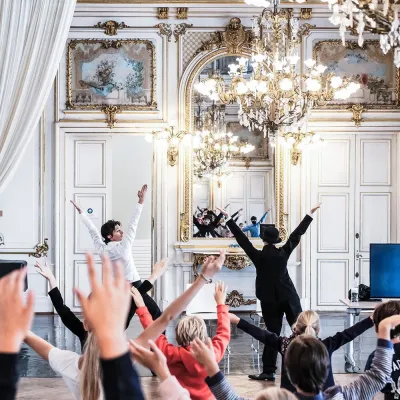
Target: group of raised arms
188, 369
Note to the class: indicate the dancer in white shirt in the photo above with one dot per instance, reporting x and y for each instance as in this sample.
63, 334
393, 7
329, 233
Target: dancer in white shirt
117, 245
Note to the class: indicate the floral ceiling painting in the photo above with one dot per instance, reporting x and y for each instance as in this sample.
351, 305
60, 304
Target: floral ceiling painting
111, 72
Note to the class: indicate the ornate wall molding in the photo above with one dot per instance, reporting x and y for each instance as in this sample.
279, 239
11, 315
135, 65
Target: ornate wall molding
165, 30
162, 12
110, 27
180, 30
41, 249
182, 13
235, 299
234, 262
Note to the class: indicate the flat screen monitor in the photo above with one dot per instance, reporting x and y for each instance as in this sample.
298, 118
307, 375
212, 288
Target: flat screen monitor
384, 270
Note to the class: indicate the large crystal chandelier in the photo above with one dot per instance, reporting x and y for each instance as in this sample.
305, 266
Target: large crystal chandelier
276, 94
375, 16
213, 146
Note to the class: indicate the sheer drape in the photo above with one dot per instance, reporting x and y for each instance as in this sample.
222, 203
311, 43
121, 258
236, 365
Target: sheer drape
33, 35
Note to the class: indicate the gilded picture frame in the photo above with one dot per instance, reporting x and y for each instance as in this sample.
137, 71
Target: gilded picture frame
116, 73
367, 65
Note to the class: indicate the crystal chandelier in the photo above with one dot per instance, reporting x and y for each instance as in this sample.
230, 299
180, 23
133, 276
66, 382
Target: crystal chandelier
375, 16
300, 140
213, 146
276, 95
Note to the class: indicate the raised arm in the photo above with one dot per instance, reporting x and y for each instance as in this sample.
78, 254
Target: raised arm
93, 231
68, 318
373, 380
262, 335
295, 236
336, 341
39, 345
263, 217
211, 266
130, 235
243, 240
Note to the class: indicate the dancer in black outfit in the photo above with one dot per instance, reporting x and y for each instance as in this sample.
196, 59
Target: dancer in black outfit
70, 320
274, 288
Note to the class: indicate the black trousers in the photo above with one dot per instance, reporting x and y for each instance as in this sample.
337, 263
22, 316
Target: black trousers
273, 316
151, 305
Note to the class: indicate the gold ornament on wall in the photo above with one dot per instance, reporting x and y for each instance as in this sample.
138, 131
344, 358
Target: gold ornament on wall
110, 27
234, 38
235, 262
235, 299
305, 13
2, 239
182, 13
41, 249
110, 112
162, 12
180, 30
357, 110
165, 30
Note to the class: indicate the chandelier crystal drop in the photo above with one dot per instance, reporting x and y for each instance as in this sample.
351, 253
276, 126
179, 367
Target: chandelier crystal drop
276, 94
374, 16
213, 146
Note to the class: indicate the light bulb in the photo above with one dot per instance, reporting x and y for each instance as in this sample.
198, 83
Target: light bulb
310, 63
259, 58
241, 88
321, 68
286, 84
242, 61
293, 59
336, 81
312, 85
174, 141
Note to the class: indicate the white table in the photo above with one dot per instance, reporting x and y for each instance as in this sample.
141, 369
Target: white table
352, 310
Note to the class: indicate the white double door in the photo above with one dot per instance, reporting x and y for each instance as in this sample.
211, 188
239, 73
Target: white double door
354, 176
101, 173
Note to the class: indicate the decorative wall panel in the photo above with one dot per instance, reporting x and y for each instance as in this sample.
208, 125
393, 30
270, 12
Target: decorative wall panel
332, 277
375, 162
90, 164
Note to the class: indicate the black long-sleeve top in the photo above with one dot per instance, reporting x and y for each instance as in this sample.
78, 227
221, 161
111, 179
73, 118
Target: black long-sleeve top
204, 229
8, 376
120, 379
273, 283
332, 343
74, 324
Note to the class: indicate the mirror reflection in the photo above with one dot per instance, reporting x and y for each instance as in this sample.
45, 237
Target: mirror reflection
233, 167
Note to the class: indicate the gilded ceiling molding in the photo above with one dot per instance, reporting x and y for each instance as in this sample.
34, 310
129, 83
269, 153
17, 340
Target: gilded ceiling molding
164, 30
180, 30
110, 27
162, 12
182, 13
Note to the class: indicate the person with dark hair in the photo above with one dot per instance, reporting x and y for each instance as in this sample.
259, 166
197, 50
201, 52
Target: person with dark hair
385, 310
274, 288
117, 245
307, 364
208, 225
254, 228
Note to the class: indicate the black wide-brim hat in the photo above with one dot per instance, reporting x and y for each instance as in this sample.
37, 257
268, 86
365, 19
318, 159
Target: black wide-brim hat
270, 234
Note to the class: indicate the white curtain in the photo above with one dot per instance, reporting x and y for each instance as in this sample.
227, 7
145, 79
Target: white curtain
33, 35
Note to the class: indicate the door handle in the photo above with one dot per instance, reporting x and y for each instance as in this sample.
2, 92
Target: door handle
358, 255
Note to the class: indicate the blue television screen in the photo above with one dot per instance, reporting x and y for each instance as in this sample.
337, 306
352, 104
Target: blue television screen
385, 270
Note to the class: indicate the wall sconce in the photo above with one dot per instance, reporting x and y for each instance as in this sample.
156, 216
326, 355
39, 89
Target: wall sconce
173, 139
299, 141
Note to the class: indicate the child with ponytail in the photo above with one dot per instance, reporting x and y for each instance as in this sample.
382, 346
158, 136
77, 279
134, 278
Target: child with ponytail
307, 323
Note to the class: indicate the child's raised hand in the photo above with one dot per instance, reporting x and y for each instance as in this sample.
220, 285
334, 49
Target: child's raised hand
220, 292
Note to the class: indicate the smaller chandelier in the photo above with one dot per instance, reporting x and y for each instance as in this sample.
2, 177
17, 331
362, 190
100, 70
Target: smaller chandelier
299, 141
213, 146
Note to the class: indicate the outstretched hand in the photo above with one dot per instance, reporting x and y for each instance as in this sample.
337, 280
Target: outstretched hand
160, 267
316, 208
15, 315
205, 355
76, 206
154, 359
107, 307
137, 297
233, 318
142, 194
46, 272
213, 264
220, 292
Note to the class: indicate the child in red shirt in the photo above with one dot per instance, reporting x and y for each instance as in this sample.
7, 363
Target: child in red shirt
191, 374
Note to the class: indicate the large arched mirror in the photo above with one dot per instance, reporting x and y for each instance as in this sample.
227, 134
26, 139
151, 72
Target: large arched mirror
249, 182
